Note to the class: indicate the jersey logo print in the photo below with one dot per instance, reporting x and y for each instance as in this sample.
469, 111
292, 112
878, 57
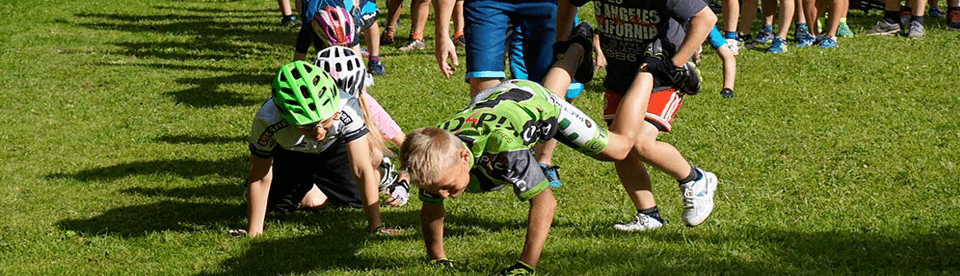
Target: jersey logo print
515, 94
268, 133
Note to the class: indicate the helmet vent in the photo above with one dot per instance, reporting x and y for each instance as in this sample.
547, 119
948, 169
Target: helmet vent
349, 66
295, 73
305, 92
283, 77
308, 69
339, 68
312, 107
316, 80
287, 91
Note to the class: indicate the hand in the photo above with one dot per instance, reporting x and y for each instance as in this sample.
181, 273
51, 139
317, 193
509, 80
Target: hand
600, 60
442, 262
661, 68
237, 233
399, 193
518, 268
446, 51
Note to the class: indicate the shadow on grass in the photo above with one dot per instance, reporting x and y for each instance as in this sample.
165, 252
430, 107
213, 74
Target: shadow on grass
208, 33
776, 252
333, 244
182, 34
192, 139
206, 92
186, 168
141, 220
218, 191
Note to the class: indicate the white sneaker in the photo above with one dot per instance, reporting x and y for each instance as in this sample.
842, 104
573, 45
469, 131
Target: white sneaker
698, 198
642, 222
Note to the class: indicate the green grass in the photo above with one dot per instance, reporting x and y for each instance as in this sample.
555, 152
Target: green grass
123, 153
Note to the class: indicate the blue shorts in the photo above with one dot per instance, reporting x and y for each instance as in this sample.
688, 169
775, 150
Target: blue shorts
486, 31
518, 68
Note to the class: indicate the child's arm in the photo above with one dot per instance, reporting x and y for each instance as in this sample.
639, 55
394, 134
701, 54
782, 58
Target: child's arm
600, 61
258, 187
431, 220
697, 31
444, 49
368, 181
542, 208
565, 14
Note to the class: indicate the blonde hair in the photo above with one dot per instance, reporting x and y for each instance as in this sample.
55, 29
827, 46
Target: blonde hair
378, 148
427, 152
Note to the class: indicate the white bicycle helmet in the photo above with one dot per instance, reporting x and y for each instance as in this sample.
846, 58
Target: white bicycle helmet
346, 67
334, 25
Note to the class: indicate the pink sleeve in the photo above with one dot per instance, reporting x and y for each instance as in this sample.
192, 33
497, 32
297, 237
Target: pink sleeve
388, 128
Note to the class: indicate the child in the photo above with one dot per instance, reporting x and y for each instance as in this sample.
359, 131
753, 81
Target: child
486, 147
346, 68
309, 145
728, 51
329, 20
628, 84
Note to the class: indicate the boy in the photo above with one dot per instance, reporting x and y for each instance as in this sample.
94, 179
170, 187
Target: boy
486, 147
657, 27
308, 145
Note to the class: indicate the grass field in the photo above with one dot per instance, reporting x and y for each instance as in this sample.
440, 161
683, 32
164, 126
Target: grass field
123, 152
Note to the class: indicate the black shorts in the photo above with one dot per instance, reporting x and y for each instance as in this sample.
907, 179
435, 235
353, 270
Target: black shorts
295, 173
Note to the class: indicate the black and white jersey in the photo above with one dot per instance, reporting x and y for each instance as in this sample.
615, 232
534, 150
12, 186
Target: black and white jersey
270, 130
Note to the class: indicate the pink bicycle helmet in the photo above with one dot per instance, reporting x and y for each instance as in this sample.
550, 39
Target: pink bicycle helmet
334, 26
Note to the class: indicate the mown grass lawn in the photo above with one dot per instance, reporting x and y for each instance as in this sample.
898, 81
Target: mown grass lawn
123, 149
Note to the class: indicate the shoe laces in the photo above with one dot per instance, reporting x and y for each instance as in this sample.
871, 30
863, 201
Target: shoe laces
953, 15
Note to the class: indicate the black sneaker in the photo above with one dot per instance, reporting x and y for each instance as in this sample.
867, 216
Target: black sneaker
376, 68
290, 21
726, 93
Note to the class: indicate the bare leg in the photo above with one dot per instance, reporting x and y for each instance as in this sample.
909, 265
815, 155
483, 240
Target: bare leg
748, 13
314, 198
419, 11
636, 182
731, 13
786, 16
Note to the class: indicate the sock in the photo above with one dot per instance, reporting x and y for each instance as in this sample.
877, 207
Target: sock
457, 34
694, 175
843, 20
416, 36
768, 27
916, 18
891, 17
653, 212
802, 26
374, 58
730, 35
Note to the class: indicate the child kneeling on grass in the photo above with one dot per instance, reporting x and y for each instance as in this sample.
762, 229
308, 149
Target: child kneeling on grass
486, 147
309, 146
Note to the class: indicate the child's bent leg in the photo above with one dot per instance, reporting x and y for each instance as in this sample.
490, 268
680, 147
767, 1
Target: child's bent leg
314, 198
633, 107
661, 155
636, 182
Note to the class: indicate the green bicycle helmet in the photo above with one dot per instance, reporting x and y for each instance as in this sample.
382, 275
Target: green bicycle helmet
304, 93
